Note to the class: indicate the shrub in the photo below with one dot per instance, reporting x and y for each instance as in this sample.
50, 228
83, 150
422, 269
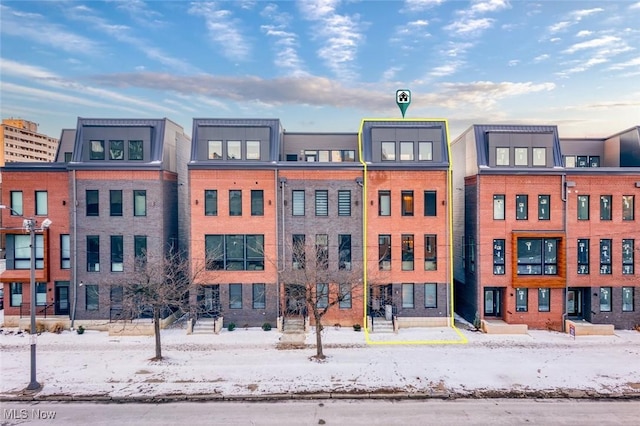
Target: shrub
357, 327
231, 326
476, 321
80, 329
637, 327
40, 328
56, 328
266, 326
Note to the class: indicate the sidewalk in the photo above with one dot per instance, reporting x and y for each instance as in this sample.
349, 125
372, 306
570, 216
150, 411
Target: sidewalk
246, 364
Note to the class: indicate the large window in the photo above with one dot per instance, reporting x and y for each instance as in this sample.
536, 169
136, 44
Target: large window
498, 207
322, 251
544, 300
344, 295
235, 202
65, 251
544, 207
384, 252
430, 252
583, 207
210, 202
235, 296
407, 203
322, 202
583, 256
234, 150
93, 253
322, 295
406, 151
537, 256
214, 150
41, 203
234, 252
116, 150
605, 256
115, 202
92, 297
430, 203
522, 300
117, 253
605, 299
407, 295
257, 202
298, 202
22, 250
139, 202
521, 156
539, 157
430, 296
16, 203
605, 207
253, 150
299, 251
344, 203
628, 247
627, 299
628, 203
93, 202
344, 252
522, 207
384, 203
259, 296
388, 151
407, 252
502, 156
425, 151
96, 150
498, 257
15, 290
136, 151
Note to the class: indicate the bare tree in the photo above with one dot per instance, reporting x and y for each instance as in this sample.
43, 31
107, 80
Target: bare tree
317, 286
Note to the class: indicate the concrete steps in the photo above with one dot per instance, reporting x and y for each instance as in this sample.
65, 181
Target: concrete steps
293, 325
381, 325
204, 326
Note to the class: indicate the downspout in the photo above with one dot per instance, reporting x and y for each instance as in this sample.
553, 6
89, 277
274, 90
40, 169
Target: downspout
565, 212
282, 261
75, 252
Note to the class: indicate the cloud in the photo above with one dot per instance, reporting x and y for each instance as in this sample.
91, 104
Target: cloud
469, 27
635, 6
635, 62
286, 42
140, 13
560, 26
584, 33
579, 14
471, 23
484, 6
390, 73
513, 62
487, 93
541, 58
446, 69
411, 6
596, 42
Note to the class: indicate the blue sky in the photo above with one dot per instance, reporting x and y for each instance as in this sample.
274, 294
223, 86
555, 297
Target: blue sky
323, 65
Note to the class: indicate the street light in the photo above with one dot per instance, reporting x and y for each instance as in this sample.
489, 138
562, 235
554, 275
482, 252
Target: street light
29, 224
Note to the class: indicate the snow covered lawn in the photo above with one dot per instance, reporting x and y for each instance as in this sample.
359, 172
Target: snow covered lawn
247, 362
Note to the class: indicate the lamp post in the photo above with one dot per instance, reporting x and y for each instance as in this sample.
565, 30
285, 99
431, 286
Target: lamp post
29, 224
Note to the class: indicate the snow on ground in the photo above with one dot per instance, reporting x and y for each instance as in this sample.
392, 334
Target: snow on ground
248, 362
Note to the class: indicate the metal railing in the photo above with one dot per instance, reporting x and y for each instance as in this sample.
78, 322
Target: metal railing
41, 310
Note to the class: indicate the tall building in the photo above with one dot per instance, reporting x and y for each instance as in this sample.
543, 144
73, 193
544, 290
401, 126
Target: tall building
21, 142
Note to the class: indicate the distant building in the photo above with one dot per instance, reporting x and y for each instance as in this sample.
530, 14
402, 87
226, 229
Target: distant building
21, 142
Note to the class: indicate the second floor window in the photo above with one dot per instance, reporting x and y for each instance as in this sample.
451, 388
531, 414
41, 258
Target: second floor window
298, 251
93, 253
430, 203
384, 203
65, 251
322, 251
41, 203
583, 256
235, 202
498, 257
322, 203
407, 252
115, 202
16, 203
537, 256
384, 252
498, 207
344, 203
93, 205
544, 207
605, 207
522, 207
210, 202
257, 202
344, 252
430, 252
407, 203
583, 207
627, 256
139, 202
117, 253
298, 202
605, 256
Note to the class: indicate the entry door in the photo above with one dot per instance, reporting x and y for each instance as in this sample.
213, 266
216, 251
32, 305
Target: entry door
381, 295
575, 303
295, 299
493, 302
62, 300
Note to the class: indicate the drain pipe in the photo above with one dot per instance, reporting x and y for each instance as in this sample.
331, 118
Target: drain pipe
75, 253
565, 210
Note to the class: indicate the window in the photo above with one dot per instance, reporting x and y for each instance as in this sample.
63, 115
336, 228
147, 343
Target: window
67, 157
139, 202
498, 257
116, 150
627, 299
544, 207
322, 202
384, 252
214, 252
605, 299
406, 151
259, 296
594, 161
522, 300
41, 203
96, 150
583, 207
344, 203
537, 256
136, 151
407, 203
605, 256
407, 295
214, 150
388, 151
430, 203
22, 250
235, 202
234, 150
425, 151
322, 295
41, 294
430, 296
344, 155
322, 251
344, 296
570, 161
93, 253
522, 207
384, 203
257, 202
15, 290
583, 256
16, 203
92, 297
521, 156
234, 252
253, 150
627, 256
117, 253
298, 202
605, 207
498, 207
344, 252
502, 156
407, 252
255, 252
430, 252
140, 251
628, 202
115, 202
544, 300
210, 202
539, 157
235, 296
298, 251
65, 251
582, 161
93, 202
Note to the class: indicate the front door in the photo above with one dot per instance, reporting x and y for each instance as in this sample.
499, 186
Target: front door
209, 301
62, 299
575, 303
381, 296
295, 299
493, 302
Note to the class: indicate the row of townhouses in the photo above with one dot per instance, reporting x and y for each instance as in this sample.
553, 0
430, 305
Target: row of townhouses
506, 222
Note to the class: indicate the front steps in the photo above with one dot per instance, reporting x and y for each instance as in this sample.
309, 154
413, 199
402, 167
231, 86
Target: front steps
382, 325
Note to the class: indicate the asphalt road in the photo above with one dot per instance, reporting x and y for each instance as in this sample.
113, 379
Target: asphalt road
329, 412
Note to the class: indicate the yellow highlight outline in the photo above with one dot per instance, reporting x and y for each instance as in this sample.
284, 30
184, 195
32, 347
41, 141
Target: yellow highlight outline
463, 340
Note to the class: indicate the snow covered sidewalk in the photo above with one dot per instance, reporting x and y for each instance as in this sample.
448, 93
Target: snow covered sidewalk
246, 363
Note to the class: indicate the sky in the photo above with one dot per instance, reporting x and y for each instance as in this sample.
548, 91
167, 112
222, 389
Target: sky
323, 65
